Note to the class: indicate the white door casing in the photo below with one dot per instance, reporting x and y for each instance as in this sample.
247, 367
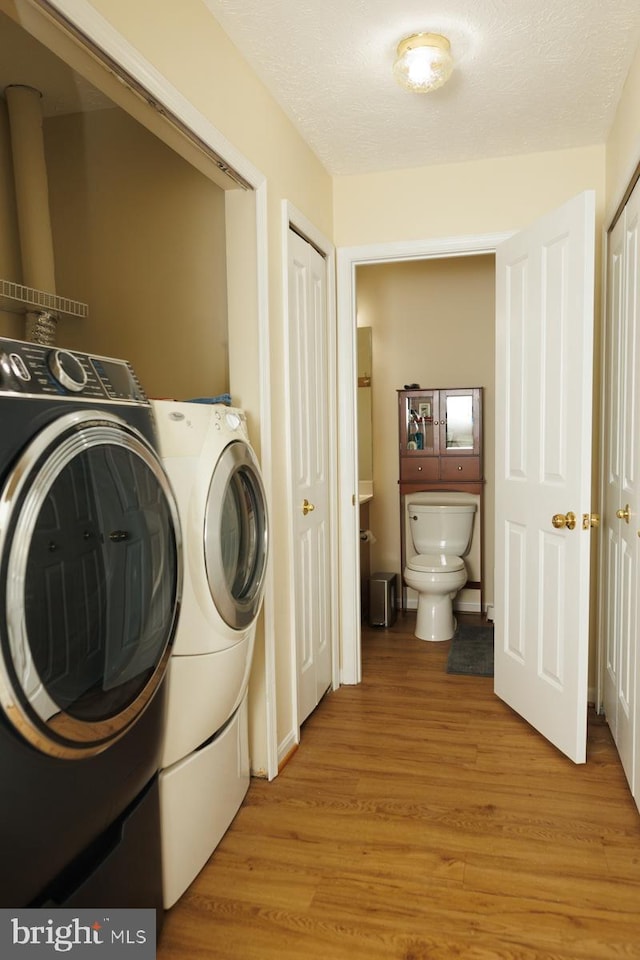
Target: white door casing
544, 356
621, 486
310, 465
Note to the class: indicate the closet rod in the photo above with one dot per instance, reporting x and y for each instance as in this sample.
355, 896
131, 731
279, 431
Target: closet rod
627, 194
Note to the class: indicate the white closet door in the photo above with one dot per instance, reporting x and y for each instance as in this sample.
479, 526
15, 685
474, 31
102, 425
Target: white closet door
632, 532
621, 500
611, 528
308, 353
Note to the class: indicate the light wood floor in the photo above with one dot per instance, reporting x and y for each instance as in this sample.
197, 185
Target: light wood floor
421, 819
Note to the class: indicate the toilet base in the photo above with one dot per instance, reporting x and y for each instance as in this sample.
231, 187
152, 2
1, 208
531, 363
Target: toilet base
435, 622
436, 591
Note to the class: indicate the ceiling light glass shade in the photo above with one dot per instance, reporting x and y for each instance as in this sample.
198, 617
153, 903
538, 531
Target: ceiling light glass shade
424, 62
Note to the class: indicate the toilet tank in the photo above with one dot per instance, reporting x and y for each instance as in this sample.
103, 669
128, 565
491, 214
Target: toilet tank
439, 528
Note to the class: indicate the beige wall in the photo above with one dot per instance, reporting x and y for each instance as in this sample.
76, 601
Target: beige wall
432, 323
140, 237
464, 199
623, 143
192, 51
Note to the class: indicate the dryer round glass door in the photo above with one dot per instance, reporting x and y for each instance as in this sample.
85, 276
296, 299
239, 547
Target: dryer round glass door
90, 568
236, 536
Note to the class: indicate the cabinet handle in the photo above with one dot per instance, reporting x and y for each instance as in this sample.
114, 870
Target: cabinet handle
459, 468
419, 469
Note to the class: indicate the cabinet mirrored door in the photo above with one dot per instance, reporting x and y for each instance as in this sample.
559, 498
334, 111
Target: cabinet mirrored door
436, 423
421, 423
459, 423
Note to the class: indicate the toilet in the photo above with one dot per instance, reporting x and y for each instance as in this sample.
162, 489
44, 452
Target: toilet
441, 535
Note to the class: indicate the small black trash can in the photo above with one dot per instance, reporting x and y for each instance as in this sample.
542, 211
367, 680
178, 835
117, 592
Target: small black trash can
382, 599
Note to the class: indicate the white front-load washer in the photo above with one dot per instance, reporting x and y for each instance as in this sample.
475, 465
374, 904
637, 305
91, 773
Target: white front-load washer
218, 488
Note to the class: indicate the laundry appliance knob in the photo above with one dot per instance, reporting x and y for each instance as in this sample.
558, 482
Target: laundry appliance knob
67, 370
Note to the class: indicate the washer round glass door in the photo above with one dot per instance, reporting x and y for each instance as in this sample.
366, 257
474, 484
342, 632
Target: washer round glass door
91, 576
236, 536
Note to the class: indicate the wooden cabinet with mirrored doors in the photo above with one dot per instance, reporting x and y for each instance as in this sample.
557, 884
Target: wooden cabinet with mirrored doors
440, 441
440, 435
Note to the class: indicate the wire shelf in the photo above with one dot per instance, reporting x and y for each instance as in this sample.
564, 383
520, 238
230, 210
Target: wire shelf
16, 298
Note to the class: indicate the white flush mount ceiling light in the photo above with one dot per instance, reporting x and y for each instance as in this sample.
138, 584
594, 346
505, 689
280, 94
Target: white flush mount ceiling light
424, 62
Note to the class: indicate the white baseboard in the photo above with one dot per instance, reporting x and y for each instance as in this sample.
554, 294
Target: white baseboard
464, 607
467, 606
285, 747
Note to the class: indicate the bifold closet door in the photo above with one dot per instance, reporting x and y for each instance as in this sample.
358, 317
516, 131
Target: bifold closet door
621, 489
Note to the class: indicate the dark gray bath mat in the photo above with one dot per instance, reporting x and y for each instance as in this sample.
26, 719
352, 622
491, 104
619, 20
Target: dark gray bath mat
471, 650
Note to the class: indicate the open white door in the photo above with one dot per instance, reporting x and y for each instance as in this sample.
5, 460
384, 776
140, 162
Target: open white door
544, 349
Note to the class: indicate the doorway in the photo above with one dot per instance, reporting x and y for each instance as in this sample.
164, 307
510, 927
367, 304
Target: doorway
432, 322
350, 259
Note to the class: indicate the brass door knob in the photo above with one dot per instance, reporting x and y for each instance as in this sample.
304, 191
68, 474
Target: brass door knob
307, 507
623, 513
560, 520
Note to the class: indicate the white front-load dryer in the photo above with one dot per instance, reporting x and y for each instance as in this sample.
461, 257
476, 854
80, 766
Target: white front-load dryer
221, 501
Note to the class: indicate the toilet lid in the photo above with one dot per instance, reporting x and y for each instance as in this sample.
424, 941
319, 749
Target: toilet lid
435, 563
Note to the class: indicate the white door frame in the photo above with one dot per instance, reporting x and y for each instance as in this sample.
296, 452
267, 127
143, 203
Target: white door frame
349, 530
98, 30
292, 217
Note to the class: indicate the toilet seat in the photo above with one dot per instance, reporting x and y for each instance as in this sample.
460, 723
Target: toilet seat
435, 563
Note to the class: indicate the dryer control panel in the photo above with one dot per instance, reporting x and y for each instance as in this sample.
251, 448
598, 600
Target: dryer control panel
30, 369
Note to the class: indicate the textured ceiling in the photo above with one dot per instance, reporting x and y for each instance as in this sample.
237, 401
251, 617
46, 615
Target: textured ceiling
530, 75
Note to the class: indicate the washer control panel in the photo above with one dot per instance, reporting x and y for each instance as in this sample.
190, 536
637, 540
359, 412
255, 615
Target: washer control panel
34, 370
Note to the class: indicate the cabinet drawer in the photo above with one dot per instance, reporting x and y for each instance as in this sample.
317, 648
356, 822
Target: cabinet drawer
418, 469
460, 468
